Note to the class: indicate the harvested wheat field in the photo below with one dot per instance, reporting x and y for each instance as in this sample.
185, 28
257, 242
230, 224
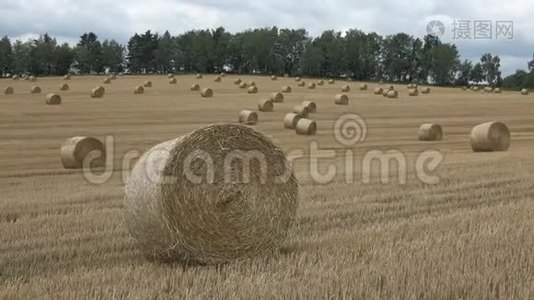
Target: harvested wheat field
361, 234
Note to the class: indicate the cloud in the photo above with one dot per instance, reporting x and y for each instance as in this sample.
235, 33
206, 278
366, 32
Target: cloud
119, 19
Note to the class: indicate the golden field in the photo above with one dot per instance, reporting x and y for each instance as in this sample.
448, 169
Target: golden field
469, 236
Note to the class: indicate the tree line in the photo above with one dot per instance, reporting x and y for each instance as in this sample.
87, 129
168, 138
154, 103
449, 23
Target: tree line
354, 53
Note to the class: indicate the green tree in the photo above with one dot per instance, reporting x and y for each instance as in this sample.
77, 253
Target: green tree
64, 59
491, 67
477, 74
21, 57
89, 54
6, 56
445, 62
464, 72
112, 55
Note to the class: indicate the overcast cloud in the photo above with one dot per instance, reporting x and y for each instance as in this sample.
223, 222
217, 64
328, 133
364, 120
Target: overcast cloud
119, 19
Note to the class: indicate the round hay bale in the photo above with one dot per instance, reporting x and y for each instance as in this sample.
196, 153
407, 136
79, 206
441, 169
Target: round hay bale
306, 127
64, 87
107, 80
320, 82
113, 76
74, 151
251, 83
297, 79
199, 76
311, 86
237, 81
138, 90
475, 88
413, 92
524, 92
393, 94
349, 79
331, 81
488, 89
311, 106
266, 105
342, 99
286, 75
378, 91
206, 93
9, 90
32, 78
183, 208
243, 85
15, 77
430, 132
222, 74
217, 79
195, 87
248, 117
98, 92
148, 84
273, 77
425, 90
291, 120
35, 90
345, 89
497, 91
301, 83
464, 88
277, 97
252, 89
301, 110
53, 99
173, 81
286, 89
385, 92
170, 76
490, 136
363, 87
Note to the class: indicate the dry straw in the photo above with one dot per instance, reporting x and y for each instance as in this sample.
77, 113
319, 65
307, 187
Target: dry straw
172, 81
306, 127
291, 120
98, 92
217, 79
393, 94
248, 117
342, 99
15, 77
206, 93
475, 88
107, 80
378, 91
430, 132
301, 83
277, 97
331, 81
195, 87
170, 76
64, 87
297, 79
488, 89
251, 83
148, 84
218, 194
113, 76
32, 78
35, 90
222, 74
345, 89
363, 87
301, 110
273, 77
311, 106
425, 90
490, 136
320, 82
9, 90
524, 92
53, 99
266, 105
138, 90
498, 91
286, 89
66, 77
237, 81
77, 149
311, 86
243, 85
199, 76
413, 92
252, 89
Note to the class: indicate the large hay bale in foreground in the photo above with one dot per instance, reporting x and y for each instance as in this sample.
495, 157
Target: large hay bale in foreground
490, 136
64, 87
277, 97
363, 87
248, 117
425, 90
138, 90
53, 99
341, 99
75, 150
98, 92
266, 105
301, 110
173, 81
252, 89
195, 87
378, 91
35, 90
311, 86
286, 89
430, 132
148, 84
306, 127
291, 120
311, 106
206, 93
215, 209
345, 88
243, 85
524, 92
9, 90
301, 83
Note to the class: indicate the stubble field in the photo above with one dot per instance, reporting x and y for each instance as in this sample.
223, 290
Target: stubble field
469, 236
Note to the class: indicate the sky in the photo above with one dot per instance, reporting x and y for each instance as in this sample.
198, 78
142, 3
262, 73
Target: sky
119, 19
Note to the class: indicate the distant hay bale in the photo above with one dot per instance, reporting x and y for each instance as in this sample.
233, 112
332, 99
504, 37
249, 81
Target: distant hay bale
251, 83
107, 80
277, 97
138, 90
206, 93
297, 79
331, 81
524, 92
113, 76
243, 85
195, 87
237, 81
172, 81
301, 110
35, 90
221, 209
222, 74
301, 83
15, 77
411, 86
291, 120
248, 117
363, 87
9, 90
488, 89
475, 88
341, 99
273, 77
425, 90
199, 76
53, 99
390, 87
310, 106
430, 132
64, 87
98, 92
286, 75
217, 79
490, 136
349, 79
286, 89
148, 84
252, 89
385, 92
170, 76
306, 127
311, 86
413, 92
464, 88
392, 94
75, 150
497, 91
320, 82
378, 91
32, 78
345, 88
266, 105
